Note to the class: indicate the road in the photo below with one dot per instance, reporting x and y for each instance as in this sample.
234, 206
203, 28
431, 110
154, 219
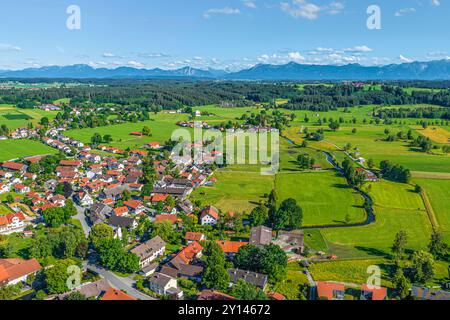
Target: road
82, 218
312, 285
124, 284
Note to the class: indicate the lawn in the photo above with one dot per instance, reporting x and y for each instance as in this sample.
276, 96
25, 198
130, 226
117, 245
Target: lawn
325, 197
352, 271
162, 126
291, 285
235, 191
438, 192
15, 149
4, 210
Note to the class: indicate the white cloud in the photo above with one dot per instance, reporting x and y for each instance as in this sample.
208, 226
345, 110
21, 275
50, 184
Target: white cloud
9, 47
135, 64
405, 59
250, 4
361, 49
436, 3
309, 10
404, 11
108, 55
225, 11
296, 56
153, 55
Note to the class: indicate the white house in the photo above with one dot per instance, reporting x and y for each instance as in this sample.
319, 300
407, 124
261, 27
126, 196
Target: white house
209, 216
15, 271
149, 251
161, 283
84, 199
4, 188
11, 223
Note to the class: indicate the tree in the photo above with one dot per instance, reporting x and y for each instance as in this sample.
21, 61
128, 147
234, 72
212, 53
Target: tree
423, 266
146, 131
243, 290
96, 139
115, 258
55, 217
289, 215
446, 149
76, 296
56, 276
100, 232
259, 216
44, 121
9, 199
170, 201
270, 260
216, 275
164, 229
437, 247
401, 284
334, 125
400, 241
107, 138
126, 195
273, 199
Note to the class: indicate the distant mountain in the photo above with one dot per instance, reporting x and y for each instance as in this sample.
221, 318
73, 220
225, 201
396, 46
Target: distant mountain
431, 70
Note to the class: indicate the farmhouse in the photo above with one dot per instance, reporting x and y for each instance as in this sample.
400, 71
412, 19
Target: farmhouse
260, 236
209, 216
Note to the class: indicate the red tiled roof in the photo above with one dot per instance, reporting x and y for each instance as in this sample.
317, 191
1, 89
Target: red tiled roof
12, 269
166, 217
231, 246
194, 236
379, 293
211, 211
159, 197
276, 296
70, 163
116, 295
13, 166
133, 204
190, 252
120, 211
326, 289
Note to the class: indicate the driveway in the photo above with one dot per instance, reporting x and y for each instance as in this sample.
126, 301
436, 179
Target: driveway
82, 218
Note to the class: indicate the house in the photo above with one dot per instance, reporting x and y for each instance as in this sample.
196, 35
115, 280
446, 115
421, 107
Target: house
121, 211
116, 295
30, 176
149, 251
155, 199
187, 271
134, 206
190, 237
122, 222
172, 218
153, 145
14, 166
99, 212
14, 271
316, 167
291, 242
422, 293
149, 270
330, 290
370, 176
209, 216
257, 279
84, 199
373, 293
89, 290
230, 248
70, 163
4, 188
13, 222
214, 295
163, 284
187, 255
58, 200
260, 236
113, 193
21, 188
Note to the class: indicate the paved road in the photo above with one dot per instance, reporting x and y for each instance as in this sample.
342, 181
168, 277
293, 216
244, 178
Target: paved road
312, 285
124, 284
82, 218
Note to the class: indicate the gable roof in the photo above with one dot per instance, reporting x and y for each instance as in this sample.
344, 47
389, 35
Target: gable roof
379, 293
327, 289
148, 248
12, 269
210, 211
257, 279
261, 235
231, 246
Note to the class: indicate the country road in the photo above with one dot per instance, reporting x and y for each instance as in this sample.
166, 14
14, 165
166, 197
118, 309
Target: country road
124, 284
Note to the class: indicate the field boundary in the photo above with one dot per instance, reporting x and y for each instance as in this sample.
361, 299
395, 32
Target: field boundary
430, 211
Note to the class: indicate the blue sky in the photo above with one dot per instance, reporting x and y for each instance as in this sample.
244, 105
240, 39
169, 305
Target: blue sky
230, 34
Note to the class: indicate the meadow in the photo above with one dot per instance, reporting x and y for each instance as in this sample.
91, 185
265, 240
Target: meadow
14, 149
325, 197
15, 118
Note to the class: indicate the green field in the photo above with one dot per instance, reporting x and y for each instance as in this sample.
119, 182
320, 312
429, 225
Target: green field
325, 197
15, 149
235, 191
15, 118
162, 126
438, 192
397, 207
294, 279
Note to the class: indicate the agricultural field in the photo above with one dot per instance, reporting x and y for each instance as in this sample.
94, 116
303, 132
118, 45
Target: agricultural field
397, 207
436, 134
235, 191
325, 197
14, 149
15, 118
162, 126
438, 192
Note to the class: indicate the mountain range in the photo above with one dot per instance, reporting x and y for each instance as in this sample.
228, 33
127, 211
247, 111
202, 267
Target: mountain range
430, 70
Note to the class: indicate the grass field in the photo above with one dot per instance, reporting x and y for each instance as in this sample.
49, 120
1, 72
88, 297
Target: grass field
4, 210
14, 149
397, 207
436, 134
294, 279
15, 118
235, 191
438, 191
353, 272
162, 126
325, 197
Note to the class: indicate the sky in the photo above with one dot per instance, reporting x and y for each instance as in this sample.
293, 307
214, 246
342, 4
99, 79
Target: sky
220, 34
